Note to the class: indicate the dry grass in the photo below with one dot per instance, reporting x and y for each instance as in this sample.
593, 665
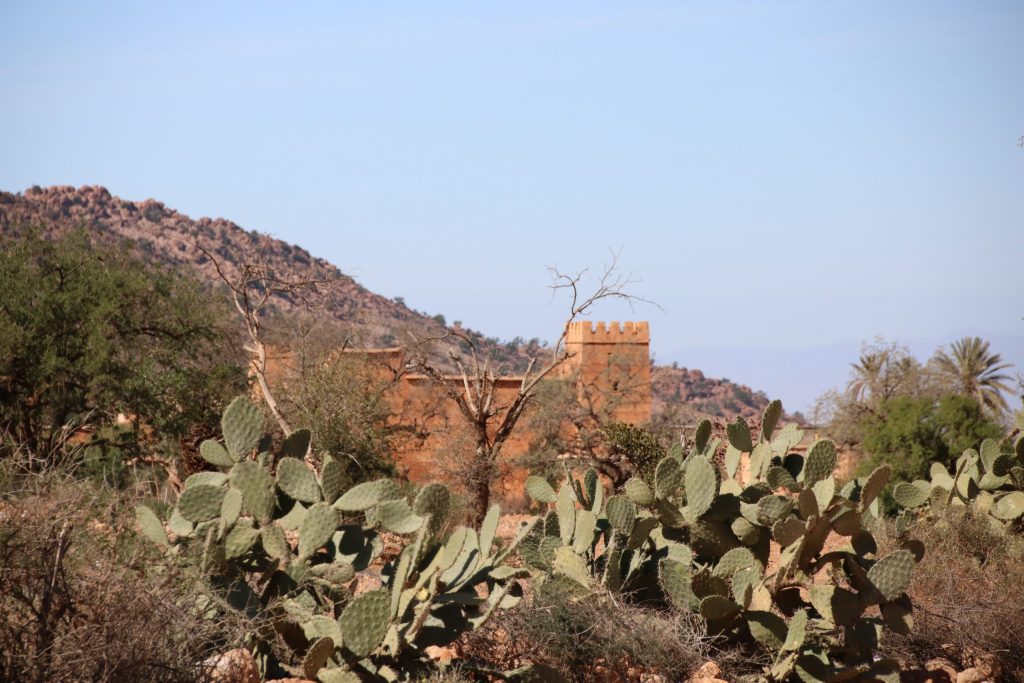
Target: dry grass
81, 599
595, 637
966, 593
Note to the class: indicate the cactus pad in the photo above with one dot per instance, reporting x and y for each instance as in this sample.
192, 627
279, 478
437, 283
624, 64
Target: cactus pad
591, 482
638, 491
433, 501
716, 608
215, 454
317, 528
540, 490
297, 480
712, 539
179, 525
780, 478
788, 531
364, 496
365, 622
150, 525
910, 495
891, 574
230, 508
397, 517
275, 544
732, 461
675, 583
824, 492
242, 426
772, 509
621, 513
770, 419
768, 628
797, 631
257, 488
702, 435
239, 541
317, 656
488, 529
566, 510
667, 477
701, 487
1009, 507
207, 478
739, 435
332, 479
748, 533
733, 561
583, 534
569, 564
820, 463
876, 481
200, 503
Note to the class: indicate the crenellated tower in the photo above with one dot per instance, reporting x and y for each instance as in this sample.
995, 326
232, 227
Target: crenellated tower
611, 364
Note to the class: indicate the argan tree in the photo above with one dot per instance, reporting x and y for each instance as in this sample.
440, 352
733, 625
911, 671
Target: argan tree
87, 330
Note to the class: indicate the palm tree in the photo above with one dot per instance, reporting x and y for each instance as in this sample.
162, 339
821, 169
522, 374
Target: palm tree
867, 375
977, 372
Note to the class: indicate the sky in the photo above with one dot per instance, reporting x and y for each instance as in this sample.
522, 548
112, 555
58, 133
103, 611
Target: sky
778, 177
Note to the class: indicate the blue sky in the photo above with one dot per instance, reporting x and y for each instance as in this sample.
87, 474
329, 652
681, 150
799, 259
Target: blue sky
780, 176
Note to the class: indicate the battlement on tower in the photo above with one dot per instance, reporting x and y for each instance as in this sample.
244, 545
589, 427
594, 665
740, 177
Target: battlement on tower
586, 332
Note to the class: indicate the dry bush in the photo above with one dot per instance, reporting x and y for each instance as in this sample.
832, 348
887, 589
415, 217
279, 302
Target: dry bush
595, 637
966, 597
81, 599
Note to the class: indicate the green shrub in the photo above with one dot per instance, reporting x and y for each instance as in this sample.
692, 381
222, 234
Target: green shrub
908, 434
89, 330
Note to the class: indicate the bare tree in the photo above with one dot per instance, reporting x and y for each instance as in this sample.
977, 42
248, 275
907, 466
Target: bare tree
474, 387
253, 283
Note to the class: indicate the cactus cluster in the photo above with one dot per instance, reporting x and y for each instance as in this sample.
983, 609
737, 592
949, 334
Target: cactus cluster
989, 482
699, 538
287, 543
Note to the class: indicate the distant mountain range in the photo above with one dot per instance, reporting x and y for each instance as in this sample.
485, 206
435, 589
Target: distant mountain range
163, 235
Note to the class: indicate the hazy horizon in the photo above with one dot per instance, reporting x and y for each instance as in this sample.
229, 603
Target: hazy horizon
783, 177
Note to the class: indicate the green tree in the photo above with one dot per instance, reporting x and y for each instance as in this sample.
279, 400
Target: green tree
89, 330
908, 433
976, 372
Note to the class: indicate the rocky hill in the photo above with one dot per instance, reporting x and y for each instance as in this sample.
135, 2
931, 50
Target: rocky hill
699, 396
165, 236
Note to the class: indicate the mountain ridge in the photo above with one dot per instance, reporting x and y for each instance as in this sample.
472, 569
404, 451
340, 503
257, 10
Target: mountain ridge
165, 236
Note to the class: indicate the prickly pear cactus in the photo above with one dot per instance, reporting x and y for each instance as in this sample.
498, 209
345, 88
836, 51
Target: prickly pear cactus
702, 541
289, 543
988, 482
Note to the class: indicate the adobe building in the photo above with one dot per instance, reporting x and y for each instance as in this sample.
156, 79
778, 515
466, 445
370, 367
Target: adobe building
608, 369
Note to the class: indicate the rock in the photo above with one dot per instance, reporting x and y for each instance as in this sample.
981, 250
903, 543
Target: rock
941, 670
707, 673
291, 680
234, 666
934, 671
708, 670
972, 675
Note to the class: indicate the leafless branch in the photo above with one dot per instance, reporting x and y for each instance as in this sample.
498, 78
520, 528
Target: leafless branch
252, 286
474, 387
